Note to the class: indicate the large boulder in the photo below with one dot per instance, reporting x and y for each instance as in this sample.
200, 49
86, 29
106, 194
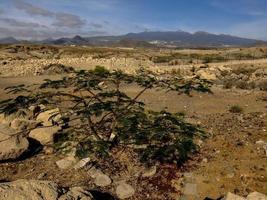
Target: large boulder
12, 145
40, 190
49, 117
45, 135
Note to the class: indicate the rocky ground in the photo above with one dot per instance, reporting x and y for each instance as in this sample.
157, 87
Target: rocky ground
233, 157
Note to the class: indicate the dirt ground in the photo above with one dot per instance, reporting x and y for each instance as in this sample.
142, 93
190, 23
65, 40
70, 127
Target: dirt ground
229, 159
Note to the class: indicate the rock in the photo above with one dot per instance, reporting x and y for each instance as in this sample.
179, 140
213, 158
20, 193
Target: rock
124, 191
256, 196
150, 172
93, 172
12, 146
190, 189
45, 135
102, 180
231, 196
48, 117
22, 124
82, 163
40, 190
66, 163
206, 75
77, 193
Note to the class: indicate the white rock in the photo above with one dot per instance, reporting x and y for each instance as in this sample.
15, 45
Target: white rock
66, 163
102, 180
256, 196
45, 135
231, 196
124, 191
82, 163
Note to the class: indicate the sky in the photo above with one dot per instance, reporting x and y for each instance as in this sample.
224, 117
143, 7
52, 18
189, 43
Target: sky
41, 19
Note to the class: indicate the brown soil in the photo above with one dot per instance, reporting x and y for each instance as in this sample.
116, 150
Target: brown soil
232, 160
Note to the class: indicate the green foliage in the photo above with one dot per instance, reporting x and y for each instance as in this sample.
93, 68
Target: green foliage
102, 117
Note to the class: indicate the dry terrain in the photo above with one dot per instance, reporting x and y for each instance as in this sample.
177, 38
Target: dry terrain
232, 158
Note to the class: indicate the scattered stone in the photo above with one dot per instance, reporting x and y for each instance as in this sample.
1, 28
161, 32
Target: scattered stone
12, 146
66, 163
102, 180
82, 163
263, 145
40, 190
124, 191
256, 196
231, 196
45, 135
150, 172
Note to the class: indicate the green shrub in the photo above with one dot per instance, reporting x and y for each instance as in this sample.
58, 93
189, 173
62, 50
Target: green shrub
236, 109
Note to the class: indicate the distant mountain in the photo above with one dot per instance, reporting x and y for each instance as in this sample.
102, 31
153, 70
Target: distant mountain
151, 39
181, 38
8, 40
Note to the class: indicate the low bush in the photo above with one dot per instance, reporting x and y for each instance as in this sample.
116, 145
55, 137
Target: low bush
236, 109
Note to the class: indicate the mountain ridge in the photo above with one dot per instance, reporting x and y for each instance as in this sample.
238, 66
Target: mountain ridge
149, 38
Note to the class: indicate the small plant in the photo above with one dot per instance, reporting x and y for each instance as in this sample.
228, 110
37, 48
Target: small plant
104, 117
236, 109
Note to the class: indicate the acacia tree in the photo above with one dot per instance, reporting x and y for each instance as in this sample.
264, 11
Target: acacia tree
99, 116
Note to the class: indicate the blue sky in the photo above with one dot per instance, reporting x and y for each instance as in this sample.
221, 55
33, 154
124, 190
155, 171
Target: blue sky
31, 19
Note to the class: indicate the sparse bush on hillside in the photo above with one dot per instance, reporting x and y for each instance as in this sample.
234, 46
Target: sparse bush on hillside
236, 109
101, 116
263, 85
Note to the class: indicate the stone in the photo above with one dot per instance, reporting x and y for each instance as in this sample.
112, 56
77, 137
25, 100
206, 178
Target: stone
12, 146
46, 117
231, 196
40, 190
82, 163
93, 172
206, 75
23, 124
256, 196
77, 193
190, 189
45, 135
66, 163
150, 172
102, 180
124, 191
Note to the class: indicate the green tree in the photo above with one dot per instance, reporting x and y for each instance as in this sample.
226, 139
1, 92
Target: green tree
99, 116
